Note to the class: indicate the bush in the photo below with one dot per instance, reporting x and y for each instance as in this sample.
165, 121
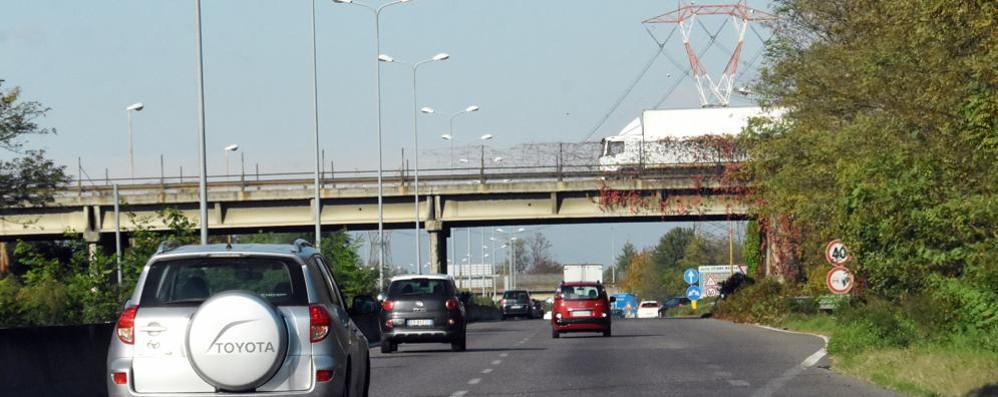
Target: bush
10, 313
764, 302
876, 323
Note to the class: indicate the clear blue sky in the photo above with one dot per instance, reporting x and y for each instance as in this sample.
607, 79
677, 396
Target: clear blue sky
542, 71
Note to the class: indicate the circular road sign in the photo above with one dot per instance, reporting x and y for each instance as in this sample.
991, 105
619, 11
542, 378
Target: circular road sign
691, 276
839, 280
836, 253
693, 292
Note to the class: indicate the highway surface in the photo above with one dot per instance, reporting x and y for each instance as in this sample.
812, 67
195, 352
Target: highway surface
660, 357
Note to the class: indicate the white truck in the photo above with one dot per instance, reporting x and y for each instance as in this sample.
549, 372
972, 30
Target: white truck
583, 273
671, 137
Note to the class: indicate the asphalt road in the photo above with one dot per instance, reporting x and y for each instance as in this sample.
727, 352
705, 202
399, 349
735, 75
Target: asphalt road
663, 357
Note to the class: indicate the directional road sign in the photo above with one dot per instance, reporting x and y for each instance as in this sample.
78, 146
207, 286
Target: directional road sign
693, 292
691, 276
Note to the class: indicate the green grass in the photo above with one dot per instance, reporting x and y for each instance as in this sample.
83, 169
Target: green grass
942, 368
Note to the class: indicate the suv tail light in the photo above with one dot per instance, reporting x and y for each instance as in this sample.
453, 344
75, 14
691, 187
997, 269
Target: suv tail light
126, 325
318, 323
451, 304
502, 302
388, 305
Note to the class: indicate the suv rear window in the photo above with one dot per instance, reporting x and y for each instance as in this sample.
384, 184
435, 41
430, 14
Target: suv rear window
516, 295
192, 281
649, 304
580, 292
419, 287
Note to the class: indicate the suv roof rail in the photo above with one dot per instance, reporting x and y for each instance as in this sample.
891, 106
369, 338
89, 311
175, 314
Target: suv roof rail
167, 246
301, 243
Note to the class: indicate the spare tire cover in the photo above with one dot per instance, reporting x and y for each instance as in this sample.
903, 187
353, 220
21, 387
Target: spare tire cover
236, 341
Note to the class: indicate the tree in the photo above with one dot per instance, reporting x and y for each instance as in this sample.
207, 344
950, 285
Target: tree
344, 259
667, 260
540, 255
31, 179
627, 254
888, 141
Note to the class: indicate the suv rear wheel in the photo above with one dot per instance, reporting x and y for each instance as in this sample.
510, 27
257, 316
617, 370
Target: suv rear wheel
388, 346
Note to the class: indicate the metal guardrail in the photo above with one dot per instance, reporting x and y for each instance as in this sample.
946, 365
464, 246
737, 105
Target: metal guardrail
368, 178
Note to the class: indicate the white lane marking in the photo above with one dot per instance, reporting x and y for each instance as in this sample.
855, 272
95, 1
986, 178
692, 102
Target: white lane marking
773, 385
504, 355
487, 371
459, 393
496, 362
474, 381
722, 374
739, 383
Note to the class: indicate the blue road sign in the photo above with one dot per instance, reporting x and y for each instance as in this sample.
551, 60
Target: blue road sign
693, 292
691, 276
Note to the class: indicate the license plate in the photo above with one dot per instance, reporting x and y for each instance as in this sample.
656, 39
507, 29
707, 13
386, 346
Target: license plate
582, 313
516, 307
420, 323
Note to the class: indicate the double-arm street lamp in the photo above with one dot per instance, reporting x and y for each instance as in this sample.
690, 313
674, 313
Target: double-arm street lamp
381, 209
512, 253
450, 133
415, 136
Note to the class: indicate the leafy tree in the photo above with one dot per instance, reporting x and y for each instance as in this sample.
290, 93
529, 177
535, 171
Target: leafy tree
31, 179
672, 247
627, 254
342, 253
888, 140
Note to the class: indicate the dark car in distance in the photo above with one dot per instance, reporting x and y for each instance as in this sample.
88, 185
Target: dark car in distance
581, 307
422, 309
516, 303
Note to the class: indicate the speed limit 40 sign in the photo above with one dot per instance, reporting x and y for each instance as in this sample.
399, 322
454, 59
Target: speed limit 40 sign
836, 253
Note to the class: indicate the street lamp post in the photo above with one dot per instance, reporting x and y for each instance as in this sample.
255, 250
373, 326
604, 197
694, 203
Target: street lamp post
317, 211
231, 148
415, 137
138, 106
450, 133
512, 255
202, 148
381, 208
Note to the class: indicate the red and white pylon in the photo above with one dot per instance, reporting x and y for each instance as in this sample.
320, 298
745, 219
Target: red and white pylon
713, 93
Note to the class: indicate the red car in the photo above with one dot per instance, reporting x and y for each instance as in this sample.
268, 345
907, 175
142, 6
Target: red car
580, 307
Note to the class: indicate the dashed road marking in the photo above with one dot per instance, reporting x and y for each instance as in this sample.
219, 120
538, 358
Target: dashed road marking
459, 393
722, 374
739, 383
474, 381
496, 362
504, 355
487, 370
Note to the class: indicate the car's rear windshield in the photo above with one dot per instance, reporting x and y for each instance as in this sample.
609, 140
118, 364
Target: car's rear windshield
649, 304
517, 295
419, 287
192, 281
580, 292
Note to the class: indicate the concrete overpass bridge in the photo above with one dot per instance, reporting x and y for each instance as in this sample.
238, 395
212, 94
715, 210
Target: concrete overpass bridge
451, 199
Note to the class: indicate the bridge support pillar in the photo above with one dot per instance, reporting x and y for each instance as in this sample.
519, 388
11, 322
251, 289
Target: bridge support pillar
438, 246
4, 259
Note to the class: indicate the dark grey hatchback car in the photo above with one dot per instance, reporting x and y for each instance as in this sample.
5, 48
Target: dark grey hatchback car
422, 309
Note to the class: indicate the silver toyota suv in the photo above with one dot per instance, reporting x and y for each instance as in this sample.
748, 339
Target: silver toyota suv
237, 319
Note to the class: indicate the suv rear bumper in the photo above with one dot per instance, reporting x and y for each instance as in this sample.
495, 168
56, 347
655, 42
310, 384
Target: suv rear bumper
524, 310
410, 335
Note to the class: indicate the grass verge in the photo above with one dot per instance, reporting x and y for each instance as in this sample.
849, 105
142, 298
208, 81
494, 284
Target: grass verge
922, 369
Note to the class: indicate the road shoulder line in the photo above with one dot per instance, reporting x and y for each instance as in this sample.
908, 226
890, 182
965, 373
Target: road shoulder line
773, 385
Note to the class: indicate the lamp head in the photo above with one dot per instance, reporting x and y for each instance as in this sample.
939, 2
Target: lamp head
472, 108
232, 148
135, 106
447, 137
441, 56
385, 58
486, 137
343, 1
427, 110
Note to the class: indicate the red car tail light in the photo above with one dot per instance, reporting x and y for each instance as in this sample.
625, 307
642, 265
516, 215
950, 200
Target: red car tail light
126, 325
451, 304
388, 305
120, 378
318, 323
323, 375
